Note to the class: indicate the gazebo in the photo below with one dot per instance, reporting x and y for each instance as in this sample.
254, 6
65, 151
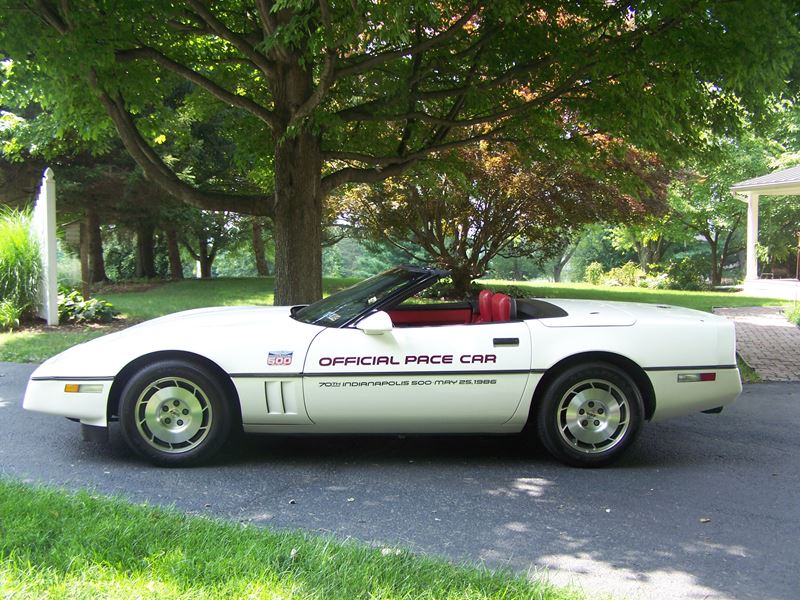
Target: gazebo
779, 183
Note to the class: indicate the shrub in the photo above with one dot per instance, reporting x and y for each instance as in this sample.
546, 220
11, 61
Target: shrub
793, 314
593, 273
9, 315
20, 264
73, 308
687, 274
655, 281
628, 274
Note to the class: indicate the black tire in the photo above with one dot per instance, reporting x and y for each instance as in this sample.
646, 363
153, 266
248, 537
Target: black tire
175, 413
589, 415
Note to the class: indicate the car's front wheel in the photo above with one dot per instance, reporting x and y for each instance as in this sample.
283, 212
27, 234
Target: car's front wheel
174, 413
589, 414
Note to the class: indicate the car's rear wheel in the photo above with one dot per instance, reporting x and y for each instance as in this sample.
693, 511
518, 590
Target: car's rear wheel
175, 413
589, 414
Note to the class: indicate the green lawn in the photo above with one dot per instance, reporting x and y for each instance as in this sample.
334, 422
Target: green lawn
37, 344
58, 545
698, 300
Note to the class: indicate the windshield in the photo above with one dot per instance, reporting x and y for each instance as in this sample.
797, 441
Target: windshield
341, 307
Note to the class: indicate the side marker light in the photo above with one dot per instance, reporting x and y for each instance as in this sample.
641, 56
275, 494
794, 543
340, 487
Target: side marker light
694, 377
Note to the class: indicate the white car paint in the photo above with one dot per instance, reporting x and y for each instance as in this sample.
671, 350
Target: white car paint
292, 376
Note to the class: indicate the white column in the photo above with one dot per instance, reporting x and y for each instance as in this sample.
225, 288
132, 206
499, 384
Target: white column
752, 236
44, 218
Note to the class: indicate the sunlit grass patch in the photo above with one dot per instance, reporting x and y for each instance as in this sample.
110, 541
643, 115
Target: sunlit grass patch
59, 545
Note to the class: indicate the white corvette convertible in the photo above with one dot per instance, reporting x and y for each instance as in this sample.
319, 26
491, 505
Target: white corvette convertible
581, 375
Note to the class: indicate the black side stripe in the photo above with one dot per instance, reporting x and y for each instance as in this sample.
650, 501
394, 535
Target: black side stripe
53, 378
445, 373
416, 373
692, 368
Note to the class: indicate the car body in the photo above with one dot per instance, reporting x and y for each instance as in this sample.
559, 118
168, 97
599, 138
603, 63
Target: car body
580, 375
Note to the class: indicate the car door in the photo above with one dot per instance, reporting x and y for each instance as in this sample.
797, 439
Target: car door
417, 379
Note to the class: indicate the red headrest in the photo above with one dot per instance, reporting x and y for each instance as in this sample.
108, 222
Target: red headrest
501, 307
485, 306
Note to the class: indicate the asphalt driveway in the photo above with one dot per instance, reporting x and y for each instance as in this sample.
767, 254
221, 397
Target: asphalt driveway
706, 506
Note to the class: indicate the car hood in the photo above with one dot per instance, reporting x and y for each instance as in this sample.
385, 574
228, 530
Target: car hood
236, 338
601, 313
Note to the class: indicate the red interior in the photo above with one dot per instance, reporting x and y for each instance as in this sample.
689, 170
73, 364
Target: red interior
484, 307
431, 316
501, 307
492, 307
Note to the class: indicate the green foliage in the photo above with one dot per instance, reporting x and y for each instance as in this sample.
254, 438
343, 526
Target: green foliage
687, 274
595, 246
594, 273
73, 308
20, 265
629, 274
793, 313
518, 268
702, 204
10, 315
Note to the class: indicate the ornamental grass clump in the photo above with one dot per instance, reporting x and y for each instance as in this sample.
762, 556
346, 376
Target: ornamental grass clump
20, 267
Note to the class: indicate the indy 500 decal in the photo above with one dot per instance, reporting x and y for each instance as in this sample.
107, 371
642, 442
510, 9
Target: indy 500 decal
279, 358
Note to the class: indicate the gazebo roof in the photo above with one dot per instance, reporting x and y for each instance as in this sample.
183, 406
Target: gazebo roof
780, 183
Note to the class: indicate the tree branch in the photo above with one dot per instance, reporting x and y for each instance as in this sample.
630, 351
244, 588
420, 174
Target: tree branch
381, 162
326, 77
354, 175
202, 81
361, 115
51, 16
372, 60
240, 43
155, 169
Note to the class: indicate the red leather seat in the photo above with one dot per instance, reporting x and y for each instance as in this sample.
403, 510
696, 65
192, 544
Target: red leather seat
501, 307
484, 307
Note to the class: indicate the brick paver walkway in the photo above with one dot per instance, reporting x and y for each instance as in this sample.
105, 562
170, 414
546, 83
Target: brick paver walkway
766, 341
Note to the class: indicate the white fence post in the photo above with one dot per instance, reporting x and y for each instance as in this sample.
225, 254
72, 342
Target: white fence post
44, 220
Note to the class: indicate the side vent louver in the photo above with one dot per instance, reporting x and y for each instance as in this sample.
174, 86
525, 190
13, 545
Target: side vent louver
281, 397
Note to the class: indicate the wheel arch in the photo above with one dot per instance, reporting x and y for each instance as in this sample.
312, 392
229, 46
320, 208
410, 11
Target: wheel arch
632, 369
122, 378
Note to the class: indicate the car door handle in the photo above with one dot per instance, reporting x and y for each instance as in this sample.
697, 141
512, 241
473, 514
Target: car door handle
506, 342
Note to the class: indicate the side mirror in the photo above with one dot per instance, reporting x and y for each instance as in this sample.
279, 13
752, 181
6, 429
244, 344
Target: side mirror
376, 324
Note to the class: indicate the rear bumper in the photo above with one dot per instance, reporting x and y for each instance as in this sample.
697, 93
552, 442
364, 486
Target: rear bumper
675, 399
47, 396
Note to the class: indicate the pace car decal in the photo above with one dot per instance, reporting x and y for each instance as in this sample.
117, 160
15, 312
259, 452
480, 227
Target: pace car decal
411, 359
279, 358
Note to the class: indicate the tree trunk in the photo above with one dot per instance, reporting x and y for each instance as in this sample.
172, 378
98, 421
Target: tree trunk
205, 266
145, 265
716, 268
84, 258
97, 267
204, 257
557, 269
262, 268
462, 280
174, 254
298, 220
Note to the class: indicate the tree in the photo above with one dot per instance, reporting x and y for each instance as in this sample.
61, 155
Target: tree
318, 94
701, 201
650, 239
205, 233
485, 200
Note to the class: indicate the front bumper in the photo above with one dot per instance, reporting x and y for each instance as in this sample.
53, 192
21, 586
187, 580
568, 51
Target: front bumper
48, 395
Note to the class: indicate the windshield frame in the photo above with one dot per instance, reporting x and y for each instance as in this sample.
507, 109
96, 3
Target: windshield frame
355, 302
